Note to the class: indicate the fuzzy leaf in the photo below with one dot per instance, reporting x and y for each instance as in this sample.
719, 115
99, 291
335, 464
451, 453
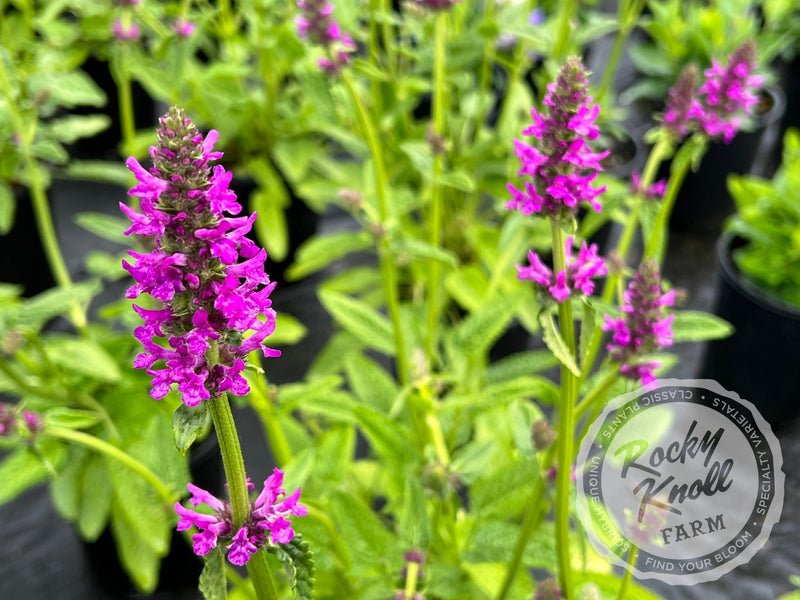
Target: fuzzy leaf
84, 357
71, 418
320, 251
556, 344
71, 128
188, 424
370, 382
95, 498
298, 561
360, 319
108, 227
19, 471
481, 329
213, 584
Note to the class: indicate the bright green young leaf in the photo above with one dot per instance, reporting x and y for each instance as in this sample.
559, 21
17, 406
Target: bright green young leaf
74, 127
71, 418
480, 329
288, 330
20, 470
271, 226
108, 227
99, 170
698, 326
518, 364
139, 559
66, 488
371, 384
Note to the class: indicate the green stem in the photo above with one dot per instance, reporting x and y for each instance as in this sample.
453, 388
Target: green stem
436, 190
530, 521
626, 578
627, 16
566, 424
94, 443
566, 9
387, 266
412, 574
233, 463
656, 244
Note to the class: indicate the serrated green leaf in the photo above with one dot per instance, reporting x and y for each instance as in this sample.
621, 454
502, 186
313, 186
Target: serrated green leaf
389, 439
370, 382
556, 344
189, 423
518, 364
364, 322
138, 557
414, 524
480, 329
698, 326
38, 310
298, 561
83, 356
95, 498
366, 536
321, 250
213, 583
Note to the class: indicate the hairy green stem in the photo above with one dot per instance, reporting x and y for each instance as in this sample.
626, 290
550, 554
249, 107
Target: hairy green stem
103, 447
655, 246
436, 190
387, 266
627, 16
566, 425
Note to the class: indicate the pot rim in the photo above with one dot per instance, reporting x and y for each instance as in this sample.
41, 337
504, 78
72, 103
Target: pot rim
746, 285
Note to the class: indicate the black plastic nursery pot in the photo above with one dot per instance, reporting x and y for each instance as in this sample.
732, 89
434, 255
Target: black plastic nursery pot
703, 201
760, 360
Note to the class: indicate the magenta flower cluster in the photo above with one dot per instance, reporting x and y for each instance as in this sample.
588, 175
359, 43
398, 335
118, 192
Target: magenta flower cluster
269, 514
125, 31
724, 100
214, 309
642, 329
561, 166
576, 278
317, 25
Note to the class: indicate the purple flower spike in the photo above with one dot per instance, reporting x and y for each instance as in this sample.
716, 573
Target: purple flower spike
729, 93
678, 114
576, 278
642, 328
270, 512
208, 293
560, 165
317, 25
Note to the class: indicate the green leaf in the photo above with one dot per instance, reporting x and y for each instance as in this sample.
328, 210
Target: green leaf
481, 329
588, 331
414, 525
8, 208
83, 356
96, 498
369, 70
370, 383
99, 170
552, 337
137, 556
504, 491
271, 226
410, 249
190, 423
458, 180
66, 487
71, 418
298, 561
213, 583
519, 364
68, 89
74, 127
361, 320
288, 330
321, 250
105, 226
19, 471
389, 439
367, 538
698, 326
39, 309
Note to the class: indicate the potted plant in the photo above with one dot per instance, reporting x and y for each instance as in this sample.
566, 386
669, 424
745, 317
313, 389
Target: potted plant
759, 289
